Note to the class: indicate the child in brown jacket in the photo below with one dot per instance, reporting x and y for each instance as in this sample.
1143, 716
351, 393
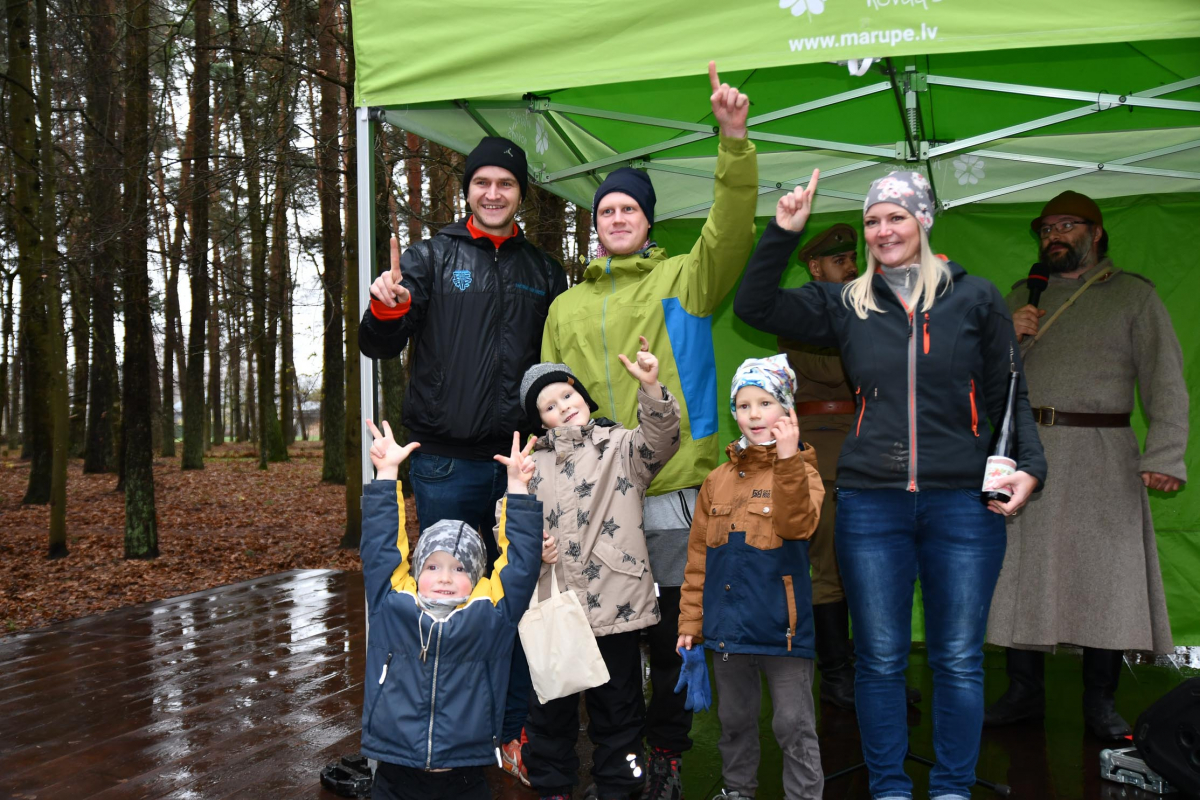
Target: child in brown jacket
591, 477
746, 592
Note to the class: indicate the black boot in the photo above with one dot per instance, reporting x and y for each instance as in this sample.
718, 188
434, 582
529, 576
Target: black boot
831, 622
1101, 671
1025, 698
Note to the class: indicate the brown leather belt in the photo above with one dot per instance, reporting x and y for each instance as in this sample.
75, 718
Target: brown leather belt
825, 407
1050, 416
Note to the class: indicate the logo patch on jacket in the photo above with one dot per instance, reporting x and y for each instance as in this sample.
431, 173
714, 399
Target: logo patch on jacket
461, 279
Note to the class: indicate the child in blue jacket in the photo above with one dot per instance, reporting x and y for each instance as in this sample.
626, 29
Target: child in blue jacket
441, 635
746, 591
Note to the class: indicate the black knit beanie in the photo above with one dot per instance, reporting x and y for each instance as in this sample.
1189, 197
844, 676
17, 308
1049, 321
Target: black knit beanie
630, 181
538, 377
496, 151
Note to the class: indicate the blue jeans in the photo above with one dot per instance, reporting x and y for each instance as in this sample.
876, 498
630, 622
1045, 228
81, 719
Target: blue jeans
885, 540
459, 488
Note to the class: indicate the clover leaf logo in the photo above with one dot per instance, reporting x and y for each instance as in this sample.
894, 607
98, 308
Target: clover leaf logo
968, 169
799, 7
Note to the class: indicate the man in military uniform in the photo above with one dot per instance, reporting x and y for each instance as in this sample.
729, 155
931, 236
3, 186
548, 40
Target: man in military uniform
1082, 566
825, 408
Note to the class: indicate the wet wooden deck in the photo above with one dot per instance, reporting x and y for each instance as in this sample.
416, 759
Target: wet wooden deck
245, 691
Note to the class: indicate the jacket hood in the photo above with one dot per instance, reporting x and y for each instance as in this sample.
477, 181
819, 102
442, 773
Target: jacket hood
638, 263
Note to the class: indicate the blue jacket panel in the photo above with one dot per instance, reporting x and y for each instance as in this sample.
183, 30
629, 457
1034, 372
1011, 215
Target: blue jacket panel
746, 599
434, 689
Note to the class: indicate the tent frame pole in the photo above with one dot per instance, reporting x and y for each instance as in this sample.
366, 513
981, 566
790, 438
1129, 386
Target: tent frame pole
1110, 166
1063, 176
1097, 98
1053, 119
366, 123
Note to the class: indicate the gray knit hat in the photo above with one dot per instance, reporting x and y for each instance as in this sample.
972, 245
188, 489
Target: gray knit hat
456, 538
538, 377
909, 190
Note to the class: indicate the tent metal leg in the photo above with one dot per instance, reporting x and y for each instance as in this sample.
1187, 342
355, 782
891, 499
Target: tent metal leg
366, 124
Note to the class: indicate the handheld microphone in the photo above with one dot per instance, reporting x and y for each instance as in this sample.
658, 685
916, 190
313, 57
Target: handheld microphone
1038, 279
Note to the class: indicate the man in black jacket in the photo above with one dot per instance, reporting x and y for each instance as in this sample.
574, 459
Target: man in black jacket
473, 300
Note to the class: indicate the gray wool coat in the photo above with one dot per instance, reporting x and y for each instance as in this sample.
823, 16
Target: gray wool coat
1082, 565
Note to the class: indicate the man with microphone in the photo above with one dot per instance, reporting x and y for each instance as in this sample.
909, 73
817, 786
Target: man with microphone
1081, 566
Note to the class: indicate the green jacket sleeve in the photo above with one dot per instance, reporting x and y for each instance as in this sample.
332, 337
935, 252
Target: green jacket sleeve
719, 255
550, 332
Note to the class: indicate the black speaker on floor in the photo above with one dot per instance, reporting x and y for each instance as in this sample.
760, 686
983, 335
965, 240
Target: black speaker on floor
1167, 735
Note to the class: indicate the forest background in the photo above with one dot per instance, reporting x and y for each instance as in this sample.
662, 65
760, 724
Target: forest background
178, 293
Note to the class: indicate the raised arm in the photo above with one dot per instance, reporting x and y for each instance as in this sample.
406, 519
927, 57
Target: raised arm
796, 487
399, 299
519, 536
656, 438
719, 255
384, 545
805, 314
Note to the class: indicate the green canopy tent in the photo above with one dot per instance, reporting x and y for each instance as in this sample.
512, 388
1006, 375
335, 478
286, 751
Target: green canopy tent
1002, 105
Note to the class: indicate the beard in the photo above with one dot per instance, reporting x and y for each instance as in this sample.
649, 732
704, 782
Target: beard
1068, 260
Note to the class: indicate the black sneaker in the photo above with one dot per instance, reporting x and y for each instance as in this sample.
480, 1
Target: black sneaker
665, 782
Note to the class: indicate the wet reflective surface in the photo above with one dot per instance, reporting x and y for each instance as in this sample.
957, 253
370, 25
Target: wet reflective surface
245, 691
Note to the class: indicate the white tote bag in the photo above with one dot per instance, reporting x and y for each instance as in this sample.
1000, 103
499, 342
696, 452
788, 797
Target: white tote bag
559, 645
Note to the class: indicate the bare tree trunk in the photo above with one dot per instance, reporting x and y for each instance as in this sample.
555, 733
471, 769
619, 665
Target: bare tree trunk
27, 201
278, 261
354, 425
16, 410
333, 373
193, 404
216, 427
234, 275
583, 241
258, 407
54, 344
103, 198
7, 362
287, 371
141, 524
172, 340
80, 340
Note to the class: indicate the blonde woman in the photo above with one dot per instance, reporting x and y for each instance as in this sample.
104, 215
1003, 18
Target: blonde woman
928, 349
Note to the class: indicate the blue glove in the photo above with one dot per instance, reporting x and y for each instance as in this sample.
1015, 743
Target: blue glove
694, 677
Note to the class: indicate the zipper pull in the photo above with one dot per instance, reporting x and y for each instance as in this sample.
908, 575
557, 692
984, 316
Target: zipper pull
383, 675
789, 639
496, 746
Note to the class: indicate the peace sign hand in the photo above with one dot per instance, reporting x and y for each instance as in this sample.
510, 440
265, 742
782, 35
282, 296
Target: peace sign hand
791, 213
386, 454
730, 107
387, 288
520, 465
645, 369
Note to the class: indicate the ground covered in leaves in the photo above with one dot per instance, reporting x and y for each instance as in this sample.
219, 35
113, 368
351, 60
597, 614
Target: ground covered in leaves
226, 523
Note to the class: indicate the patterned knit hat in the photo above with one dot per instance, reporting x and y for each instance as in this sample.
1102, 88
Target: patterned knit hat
538, 377
456, 538
909, 190
772, 375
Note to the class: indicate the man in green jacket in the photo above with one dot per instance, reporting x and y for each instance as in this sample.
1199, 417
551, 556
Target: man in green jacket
634, 289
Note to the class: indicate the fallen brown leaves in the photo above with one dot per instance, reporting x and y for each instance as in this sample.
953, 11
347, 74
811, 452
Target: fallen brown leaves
226, 523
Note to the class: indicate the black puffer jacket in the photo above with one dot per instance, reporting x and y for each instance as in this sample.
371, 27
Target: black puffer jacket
476, 323
924, 384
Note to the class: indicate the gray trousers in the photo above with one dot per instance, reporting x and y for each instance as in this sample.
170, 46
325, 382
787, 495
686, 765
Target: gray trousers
739, 698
